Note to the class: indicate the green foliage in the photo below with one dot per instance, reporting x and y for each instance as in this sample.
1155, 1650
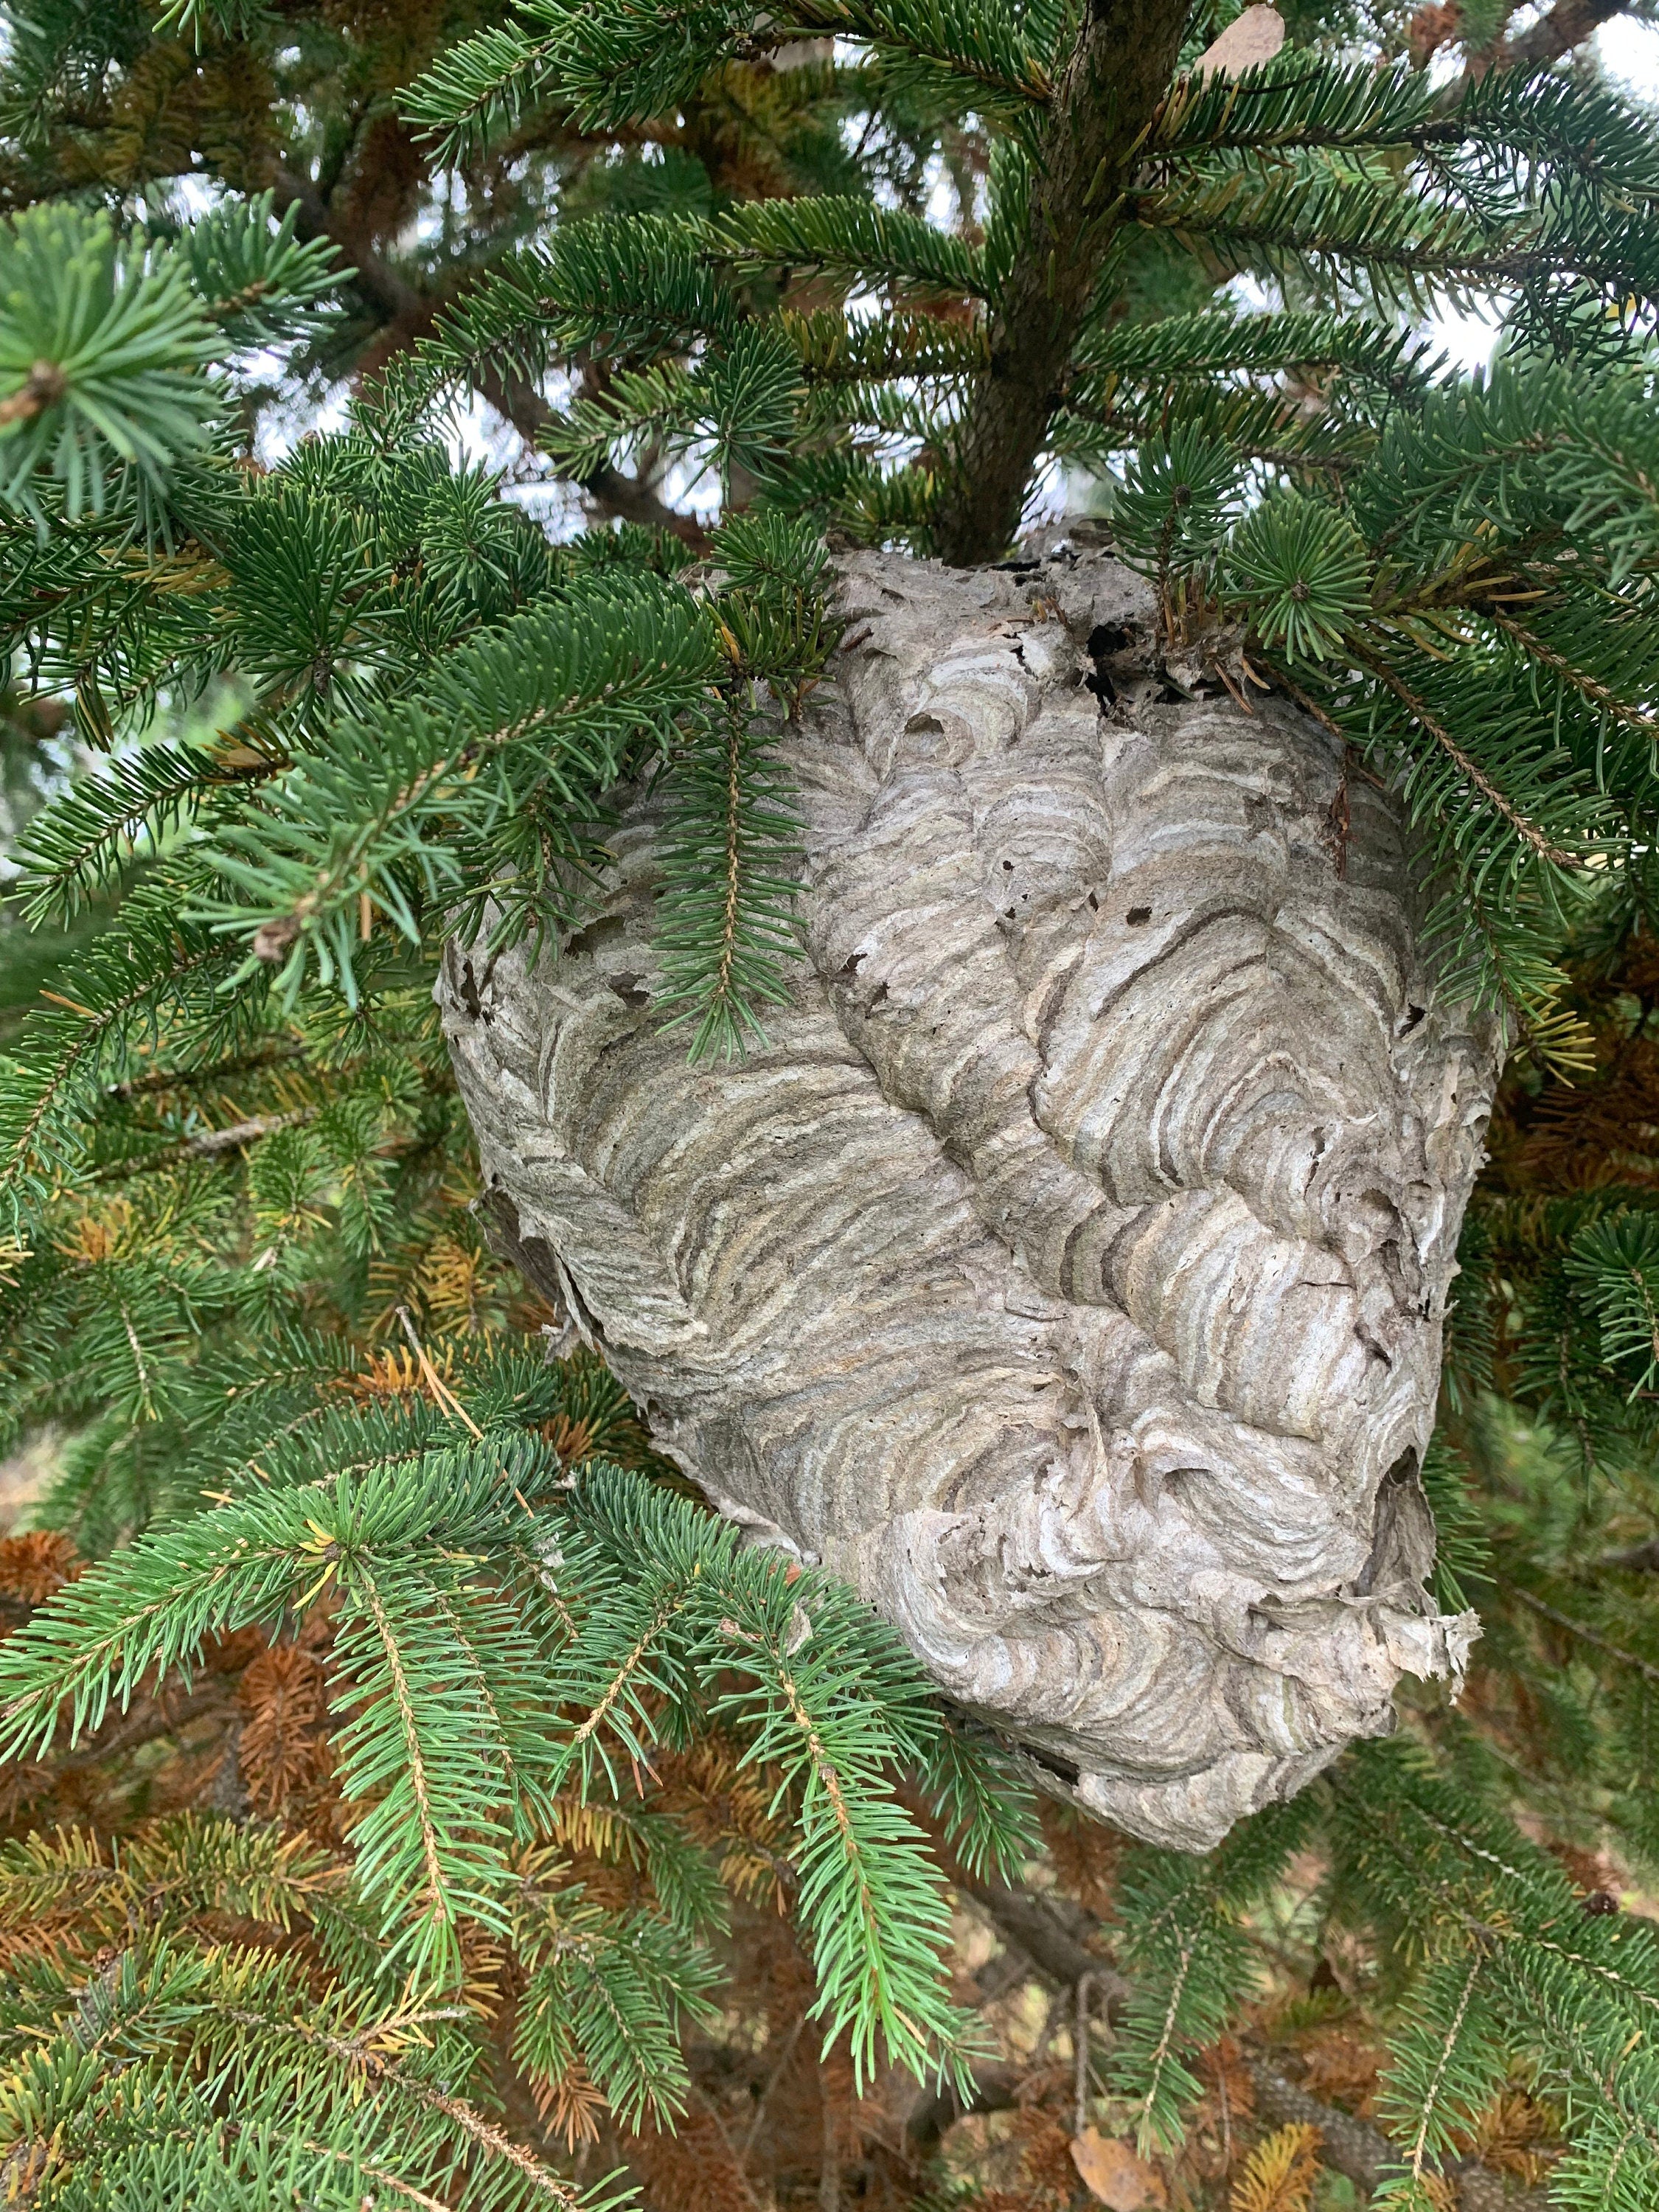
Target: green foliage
1368, 559
613, 64
728, 904
503, 1686
1301, 568
1462, 1550
548, 705
452, 1638
1469, 605
1512, 1967
124, 985
330, 711
1175, 500
97, 346
115, 2063
1615, 1265
1194, 1964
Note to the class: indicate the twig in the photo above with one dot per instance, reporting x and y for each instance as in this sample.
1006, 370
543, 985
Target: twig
1498, 800
1026, 1924
1086, 1989
771, 2083
208, 1144
711, 2110
1641, 1559
435, 1383
1589, 1636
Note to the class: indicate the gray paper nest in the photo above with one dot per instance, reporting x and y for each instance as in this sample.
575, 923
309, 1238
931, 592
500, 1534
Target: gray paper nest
1069, 1270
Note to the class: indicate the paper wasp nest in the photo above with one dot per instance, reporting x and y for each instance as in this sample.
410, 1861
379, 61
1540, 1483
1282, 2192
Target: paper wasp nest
1069, 1270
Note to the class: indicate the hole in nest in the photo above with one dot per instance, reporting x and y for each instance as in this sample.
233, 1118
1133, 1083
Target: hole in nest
1137, 915
1104, 640
629, 990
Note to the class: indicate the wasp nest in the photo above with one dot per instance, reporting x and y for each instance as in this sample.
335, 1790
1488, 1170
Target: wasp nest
1067, 1271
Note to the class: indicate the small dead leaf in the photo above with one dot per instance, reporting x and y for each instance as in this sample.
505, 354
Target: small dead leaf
799, 1631
1112, 2172
1255, 36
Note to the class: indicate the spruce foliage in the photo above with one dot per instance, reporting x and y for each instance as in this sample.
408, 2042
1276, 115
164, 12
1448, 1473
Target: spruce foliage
505, 1741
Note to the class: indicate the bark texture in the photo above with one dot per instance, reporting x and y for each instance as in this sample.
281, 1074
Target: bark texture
1069, 1271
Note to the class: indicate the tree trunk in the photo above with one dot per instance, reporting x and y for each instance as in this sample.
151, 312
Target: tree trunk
1069, 1270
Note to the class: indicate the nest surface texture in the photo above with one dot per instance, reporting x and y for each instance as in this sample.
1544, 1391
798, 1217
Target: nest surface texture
1067, 1270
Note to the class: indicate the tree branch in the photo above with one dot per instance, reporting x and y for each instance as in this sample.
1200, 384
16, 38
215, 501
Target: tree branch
1105, 97
1353, 2147
392, 297
207, 1144
1639, 1559
150, 1720
996, 2087
624, 496
1567, 25
1059, 1956
407, 313
1350, 2147
1364, 2155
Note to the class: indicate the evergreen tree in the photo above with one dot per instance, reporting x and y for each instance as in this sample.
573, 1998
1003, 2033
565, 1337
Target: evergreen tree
392, 1742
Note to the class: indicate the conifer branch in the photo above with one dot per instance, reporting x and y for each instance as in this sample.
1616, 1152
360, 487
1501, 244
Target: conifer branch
1556, 855
210, 1144
358, 2056
1104, 97
1604, 696
436, 1890
38, 1095
1555, 33
1582, 1632
1429, 2124
284, 1532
